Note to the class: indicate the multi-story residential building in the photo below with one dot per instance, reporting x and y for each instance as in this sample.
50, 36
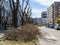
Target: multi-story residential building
44, 17
50, 14
53, 12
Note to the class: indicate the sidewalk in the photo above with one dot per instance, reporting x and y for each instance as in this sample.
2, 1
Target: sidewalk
1, 35
48, 39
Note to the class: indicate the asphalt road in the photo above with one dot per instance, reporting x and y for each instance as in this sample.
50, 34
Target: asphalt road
54, 32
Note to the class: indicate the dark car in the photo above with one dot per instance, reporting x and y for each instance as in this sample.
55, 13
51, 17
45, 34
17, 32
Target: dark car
51, 25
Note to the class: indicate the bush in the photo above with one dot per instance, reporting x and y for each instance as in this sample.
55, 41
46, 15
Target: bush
28, 33
12, 34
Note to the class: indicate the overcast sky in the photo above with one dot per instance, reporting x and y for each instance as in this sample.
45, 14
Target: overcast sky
40, 5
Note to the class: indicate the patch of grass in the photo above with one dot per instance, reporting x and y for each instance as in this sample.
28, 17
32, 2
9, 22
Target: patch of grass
6, 42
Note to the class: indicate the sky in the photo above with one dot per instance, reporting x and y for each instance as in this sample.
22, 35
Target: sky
40, 5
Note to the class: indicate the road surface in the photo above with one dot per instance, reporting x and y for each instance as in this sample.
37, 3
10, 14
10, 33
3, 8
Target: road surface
54, 32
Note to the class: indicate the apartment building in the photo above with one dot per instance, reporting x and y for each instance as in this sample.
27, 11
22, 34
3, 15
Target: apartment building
53, 12
44, 17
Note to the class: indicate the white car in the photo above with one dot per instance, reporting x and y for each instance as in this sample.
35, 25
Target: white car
57, 26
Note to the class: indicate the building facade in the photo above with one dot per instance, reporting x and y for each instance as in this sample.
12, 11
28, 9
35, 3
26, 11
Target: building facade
53, 12
44, 17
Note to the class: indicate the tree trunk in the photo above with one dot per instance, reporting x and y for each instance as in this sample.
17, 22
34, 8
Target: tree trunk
14, 18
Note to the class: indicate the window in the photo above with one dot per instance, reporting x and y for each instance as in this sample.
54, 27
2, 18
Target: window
59, 11
44, 15
59, 7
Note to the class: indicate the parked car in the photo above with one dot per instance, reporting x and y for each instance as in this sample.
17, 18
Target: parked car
51, 25
57, 26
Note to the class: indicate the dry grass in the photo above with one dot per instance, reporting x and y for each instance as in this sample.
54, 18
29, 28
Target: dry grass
17, 43
24, 36
28, 32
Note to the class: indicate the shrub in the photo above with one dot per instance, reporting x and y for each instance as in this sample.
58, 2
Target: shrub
28, 32
12, 35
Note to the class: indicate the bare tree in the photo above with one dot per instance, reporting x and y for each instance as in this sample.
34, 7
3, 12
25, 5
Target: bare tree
25, 12
14, 8
2, 16
23, 9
